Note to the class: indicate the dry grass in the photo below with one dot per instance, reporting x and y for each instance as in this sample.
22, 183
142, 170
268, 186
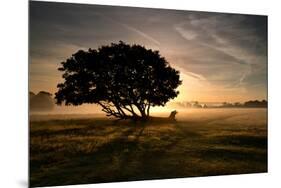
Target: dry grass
201, 143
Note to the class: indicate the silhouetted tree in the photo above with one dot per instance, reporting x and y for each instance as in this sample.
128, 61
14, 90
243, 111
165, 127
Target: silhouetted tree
125, 80
43, 101
31, 95
256, 103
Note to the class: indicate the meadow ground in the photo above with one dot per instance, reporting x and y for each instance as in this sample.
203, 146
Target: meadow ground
74, 149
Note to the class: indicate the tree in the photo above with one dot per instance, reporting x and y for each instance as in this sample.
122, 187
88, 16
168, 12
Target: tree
125, 80
43, 101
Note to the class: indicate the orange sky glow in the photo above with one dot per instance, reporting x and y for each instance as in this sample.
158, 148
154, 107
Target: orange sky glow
221, 57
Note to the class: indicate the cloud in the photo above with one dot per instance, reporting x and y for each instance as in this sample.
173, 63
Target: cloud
187, 34
142, 34
236, 40
132, 29
212, 50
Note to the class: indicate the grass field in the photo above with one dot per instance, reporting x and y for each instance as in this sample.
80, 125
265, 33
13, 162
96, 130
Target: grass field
77, 149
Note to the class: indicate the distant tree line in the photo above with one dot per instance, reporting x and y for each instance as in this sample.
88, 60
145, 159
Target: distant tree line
247, 104
42, 101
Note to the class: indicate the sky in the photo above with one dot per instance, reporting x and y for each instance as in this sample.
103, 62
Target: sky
221, 57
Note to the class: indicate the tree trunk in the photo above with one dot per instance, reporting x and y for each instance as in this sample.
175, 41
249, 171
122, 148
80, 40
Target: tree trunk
142, 111
119, 111
148, 108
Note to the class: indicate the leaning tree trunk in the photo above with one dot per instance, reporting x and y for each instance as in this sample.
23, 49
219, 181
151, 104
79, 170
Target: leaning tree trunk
142, 111
125, 111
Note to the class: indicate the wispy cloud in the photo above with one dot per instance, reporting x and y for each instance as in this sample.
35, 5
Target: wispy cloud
223, 53
132, 29
142, 34
222, 38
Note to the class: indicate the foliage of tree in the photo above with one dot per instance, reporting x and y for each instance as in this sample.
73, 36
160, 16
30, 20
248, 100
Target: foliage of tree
125, 80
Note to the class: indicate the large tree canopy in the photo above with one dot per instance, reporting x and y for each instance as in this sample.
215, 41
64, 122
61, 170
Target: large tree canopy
125, 80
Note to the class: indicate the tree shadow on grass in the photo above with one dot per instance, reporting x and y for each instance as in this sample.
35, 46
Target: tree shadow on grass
141, 151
